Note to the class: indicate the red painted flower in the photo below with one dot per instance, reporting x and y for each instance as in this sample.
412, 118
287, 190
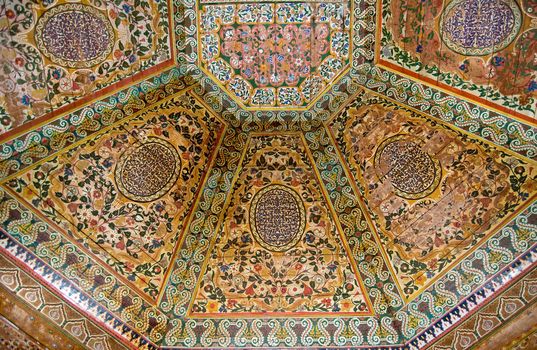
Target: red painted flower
249, 290
307, 290
19, 61
120, 245
10, 14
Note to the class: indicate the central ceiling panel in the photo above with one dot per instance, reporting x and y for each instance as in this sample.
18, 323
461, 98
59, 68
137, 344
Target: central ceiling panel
279, 251
274, 54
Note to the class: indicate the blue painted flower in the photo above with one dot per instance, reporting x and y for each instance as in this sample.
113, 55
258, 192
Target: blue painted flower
419, 48
336, 308
68, 171
224, 267
107, 163
25, 100
498, 61
56, 74
132, 277
127, 8
532, 86
310, 238
132, 58
245, 239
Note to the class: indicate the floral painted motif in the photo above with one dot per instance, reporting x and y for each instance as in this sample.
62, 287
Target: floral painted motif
483, 50
276, 49
56, 52
274, 55
303, 266
466, 189
97, 193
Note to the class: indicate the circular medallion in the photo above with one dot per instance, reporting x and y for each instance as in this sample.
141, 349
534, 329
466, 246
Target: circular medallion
277, 217
412, 172
480, 27
74, 35
149, 171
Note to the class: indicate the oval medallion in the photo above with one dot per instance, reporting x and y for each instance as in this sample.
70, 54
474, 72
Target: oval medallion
149, 171
412, 172
74, 35
480, 27
277, 217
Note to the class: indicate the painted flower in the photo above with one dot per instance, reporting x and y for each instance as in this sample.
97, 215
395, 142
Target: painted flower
498, 61
65, 84
10, 14
420, 280
432, 263
5, 120
159, 207
224, 267
258, 267
25, 100
419, 48
332, 267
19, 61
346, 304
127, 8
532, 86
107, 163
56, 74
231, 303
326, 302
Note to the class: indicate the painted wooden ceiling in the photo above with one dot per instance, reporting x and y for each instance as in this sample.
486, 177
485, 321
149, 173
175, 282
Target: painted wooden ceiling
285, 174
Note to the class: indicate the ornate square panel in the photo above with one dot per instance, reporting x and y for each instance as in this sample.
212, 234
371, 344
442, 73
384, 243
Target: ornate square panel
433, 193
275, 54
126, 194
59, 54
